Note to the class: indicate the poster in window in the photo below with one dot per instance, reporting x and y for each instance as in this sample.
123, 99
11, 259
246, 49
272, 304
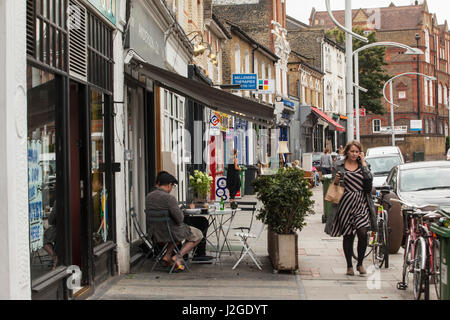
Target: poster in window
35, 209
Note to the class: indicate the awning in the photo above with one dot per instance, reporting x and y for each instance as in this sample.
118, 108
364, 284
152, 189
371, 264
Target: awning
333, 123
211, 97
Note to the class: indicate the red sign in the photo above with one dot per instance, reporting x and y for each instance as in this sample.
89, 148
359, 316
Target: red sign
362, 112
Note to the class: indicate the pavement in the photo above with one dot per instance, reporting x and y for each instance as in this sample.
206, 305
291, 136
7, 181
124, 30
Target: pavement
321, 274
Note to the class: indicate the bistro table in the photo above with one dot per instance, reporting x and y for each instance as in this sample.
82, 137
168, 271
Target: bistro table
221, 221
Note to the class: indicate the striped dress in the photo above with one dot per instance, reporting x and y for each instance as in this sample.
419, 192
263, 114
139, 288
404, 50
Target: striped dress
353, 212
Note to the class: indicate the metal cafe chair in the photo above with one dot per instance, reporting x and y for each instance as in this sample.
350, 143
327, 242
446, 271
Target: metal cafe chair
157, 216
244, 237
152, 248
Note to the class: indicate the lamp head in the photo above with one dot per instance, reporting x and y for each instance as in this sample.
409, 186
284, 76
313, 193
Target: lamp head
199, 49
417, 37
414, 51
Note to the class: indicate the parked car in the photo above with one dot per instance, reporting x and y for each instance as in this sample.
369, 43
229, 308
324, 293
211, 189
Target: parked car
418, 183
384, 150
381, 166
448, 154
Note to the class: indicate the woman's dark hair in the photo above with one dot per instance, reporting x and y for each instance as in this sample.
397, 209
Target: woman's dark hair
235, 151
351, 144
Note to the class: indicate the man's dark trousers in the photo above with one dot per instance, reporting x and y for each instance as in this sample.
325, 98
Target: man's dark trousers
202, 224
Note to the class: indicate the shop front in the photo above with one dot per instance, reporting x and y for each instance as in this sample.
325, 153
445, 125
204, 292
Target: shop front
70, 150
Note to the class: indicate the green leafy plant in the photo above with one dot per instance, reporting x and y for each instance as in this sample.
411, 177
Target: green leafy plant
200, 183
286, 198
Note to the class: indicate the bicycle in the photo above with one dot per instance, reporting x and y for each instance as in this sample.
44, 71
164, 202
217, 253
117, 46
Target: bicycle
378, 242
380, 238
421, 255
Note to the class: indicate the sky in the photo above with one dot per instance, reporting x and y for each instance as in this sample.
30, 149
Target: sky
301, 9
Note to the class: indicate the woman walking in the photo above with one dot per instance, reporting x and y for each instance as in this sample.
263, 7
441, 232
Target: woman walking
233, 178
326, 162
355, 213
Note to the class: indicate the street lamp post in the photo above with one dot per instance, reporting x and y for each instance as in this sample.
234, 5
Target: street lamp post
409, 51
391, 102
348, 53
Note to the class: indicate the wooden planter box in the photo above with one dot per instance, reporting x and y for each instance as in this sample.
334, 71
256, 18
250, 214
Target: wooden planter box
283, 251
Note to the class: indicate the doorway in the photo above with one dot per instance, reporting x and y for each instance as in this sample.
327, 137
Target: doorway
136, 168
78, 178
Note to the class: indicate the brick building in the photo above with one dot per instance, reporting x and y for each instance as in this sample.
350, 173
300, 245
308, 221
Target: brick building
402, 24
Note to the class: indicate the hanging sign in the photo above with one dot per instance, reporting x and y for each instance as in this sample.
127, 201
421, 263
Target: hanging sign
266, 86
35, 210
214, 124
248, 81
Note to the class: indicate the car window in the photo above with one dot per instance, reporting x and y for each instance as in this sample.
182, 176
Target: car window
383, 165
425, 179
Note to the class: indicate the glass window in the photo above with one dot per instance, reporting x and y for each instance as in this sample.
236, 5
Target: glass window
43, 216
376, 125
102, 230
425, 179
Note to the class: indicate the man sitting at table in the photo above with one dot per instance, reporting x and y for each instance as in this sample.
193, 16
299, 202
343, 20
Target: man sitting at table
160, 199
200, 223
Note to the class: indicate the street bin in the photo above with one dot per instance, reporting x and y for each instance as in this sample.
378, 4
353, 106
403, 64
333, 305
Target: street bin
250, 175
326, 181
443, 232
419, 156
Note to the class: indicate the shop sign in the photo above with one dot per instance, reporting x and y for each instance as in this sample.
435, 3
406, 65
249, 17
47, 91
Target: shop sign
225, 122
288, 103
266, 86
107, 8
214, 124
146, 38
416, 125
248, 81
35, 210
397, 129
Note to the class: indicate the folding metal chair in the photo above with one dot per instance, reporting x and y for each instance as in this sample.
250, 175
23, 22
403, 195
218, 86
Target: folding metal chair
157, 216
245, 236
152, 248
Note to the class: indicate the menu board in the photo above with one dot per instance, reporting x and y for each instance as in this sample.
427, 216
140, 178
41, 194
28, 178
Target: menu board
35, 209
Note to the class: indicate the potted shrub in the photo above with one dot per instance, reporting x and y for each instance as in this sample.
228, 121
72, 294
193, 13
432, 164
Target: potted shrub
200, 184
287, 200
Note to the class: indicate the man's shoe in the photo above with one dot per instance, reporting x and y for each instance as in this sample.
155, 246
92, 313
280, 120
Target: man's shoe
203, 259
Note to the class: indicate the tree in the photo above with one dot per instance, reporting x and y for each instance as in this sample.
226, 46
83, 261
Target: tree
372, 75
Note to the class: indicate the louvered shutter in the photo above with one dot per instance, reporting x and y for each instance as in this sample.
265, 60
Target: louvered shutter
78, 64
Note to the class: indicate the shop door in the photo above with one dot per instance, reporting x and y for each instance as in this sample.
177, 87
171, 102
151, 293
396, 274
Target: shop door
77, 173
136, 165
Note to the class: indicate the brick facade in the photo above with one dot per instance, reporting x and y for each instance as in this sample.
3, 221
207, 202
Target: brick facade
400, 24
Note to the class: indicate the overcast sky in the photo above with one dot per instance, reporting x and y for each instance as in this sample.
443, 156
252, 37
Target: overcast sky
301, 9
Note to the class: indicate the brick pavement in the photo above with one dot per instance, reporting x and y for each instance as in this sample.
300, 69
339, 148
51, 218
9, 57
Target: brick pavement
321, 274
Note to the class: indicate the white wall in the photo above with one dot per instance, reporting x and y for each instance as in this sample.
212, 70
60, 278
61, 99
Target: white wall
14, 233
335, 75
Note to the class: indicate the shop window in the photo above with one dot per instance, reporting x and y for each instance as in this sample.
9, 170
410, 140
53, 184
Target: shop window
44, 219
102, 225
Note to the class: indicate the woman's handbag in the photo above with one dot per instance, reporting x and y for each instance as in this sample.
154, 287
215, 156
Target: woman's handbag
334, 193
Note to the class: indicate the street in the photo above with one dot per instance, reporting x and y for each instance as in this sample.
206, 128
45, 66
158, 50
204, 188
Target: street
321, 274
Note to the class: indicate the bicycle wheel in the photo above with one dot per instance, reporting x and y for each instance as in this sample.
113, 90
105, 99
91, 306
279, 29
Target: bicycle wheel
368, 250
407, 260
419, 272
436, 272
379, 247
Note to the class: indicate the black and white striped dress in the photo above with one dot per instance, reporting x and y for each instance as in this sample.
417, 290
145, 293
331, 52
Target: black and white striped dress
353, 212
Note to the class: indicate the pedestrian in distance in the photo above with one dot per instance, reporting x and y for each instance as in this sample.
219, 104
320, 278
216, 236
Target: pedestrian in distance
233, 177
355, 213
326, 162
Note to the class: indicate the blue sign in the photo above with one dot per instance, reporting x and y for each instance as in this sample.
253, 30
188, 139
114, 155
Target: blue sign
247, 81
288, 103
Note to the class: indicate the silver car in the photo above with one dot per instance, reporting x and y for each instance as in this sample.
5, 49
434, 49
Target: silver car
381, 166
385, 150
